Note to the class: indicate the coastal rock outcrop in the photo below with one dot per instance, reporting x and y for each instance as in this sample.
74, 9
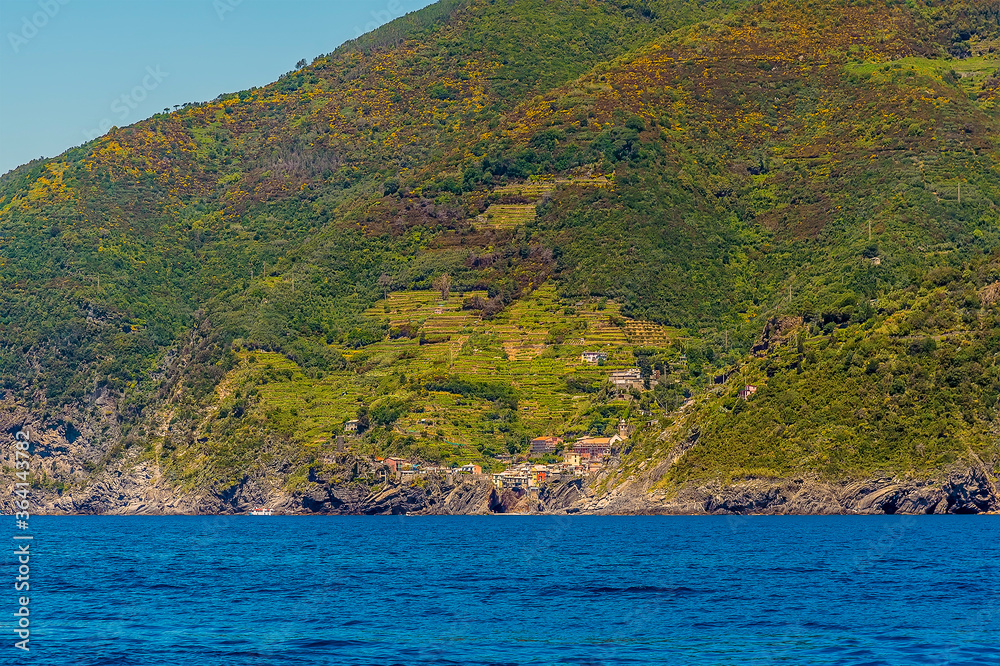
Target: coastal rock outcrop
965, 490
136, 485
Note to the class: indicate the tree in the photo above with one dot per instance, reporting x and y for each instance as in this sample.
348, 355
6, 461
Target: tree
384, 282
363, 420
443, 284
300, 64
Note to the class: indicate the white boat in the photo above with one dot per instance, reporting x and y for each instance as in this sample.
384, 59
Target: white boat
260, 511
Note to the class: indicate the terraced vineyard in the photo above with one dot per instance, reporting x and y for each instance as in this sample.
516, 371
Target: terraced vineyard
646, 334
532, 189
538, 186
532, 346
508, 216
426, 310
588, 181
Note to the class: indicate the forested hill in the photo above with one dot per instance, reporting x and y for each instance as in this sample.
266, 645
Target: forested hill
424, 229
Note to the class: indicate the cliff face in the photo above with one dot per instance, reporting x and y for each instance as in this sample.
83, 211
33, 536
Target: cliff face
136, 486
139, 490
962, 491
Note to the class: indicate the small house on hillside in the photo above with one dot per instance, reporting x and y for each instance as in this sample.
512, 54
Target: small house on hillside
471, 469
627, 379
351, 426
593, 357
747, 391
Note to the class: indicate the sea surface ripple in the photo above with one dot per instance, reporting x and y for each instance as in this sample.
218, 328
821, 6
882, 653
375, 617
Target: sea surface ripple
505, 590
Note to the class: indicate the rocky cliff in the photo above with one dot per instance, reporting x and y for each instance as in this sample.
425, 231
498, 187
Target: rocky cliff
137, 487
963, 490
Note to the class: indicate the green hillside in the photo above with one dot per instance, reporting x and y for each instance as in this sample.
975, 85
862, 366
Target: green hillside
425, 229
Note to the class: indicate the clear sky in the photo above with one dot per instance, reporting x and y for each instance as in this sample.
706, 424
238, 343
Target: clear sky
70, 68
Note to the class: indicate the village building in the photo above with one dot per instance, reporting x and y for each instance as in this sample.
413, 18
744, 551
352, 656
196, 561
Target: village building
571, 458
625, 380
351, 426
625, 429
593, 357
747, 392
470, 469
398, 467
596, 448
511, 479
543, 445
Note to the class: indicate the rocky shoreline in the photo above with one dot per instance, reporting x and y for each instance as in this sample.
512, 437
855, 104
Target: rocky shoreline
968, 491
133, 485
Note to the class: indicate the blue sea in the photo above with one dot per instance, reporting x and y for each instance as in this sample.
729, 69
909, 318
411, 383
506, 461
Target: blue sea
508, 590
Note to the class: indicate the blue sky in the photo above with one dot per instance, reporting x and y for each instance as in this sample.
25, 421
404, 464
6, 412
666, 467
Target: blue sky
71, 68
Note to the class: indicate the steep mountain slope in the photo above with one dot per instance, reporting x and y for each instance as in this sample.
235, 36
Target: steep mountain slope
174, 208
201, 300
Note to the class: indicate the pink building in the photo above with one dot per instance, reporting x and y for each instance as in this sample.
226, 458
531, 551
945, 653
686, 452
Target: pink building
542, 445
595, 448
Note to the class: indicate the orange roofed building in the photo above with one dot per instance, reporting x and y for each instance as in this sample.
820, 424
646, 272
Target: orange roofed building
542, 445
595, 448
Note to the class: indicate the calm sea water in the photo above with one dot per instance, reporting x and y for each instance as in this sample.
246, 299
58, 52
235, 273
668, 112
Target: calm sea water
510, 590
